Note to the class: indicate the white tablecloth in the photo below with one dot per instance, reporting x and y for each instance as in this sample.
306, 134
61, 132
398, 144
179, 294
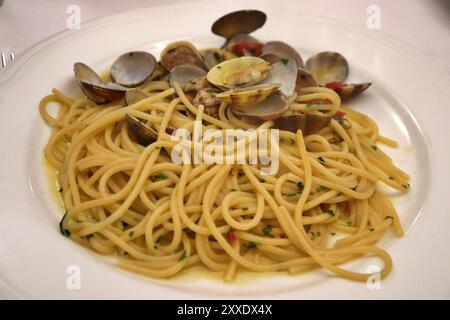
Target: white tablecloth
423, 24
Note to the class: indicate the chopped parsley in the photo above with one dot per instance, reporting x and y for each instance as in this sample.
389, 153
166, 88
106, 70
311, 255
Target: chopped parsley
354, 188
348, 222
61, 189
406, 186
267, 230
330, 212
284, 61
233, 189
374, 148
131, 233
333, 233
300, 186
318, 233
160, 176
291, 194
322, 160
160, 238
371, 229
319, 189
183, 256
217, 56
244, 209
250, 245
391, 178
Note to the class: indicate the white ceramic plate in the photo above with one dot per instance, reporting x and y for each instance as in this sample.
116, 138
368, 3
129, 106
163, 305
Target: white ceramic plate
409, 99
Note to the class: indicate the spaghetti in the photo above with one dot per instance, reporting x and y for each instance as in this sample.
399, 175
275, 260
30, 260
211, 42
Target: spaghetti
320, 210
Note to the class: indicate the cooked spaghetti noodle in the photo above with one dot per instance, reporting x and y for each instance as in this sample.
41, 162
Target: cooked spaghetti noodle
161, 218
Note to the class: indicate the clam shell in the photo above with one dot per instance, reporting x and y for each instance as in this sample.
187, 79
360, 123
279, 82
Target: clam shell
328, 67
248, 95
238, 22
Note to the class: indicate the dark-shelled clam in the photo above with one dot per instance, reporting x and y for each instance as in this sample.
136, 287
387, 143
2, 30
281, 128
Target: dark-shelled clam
94, 87
140, 132
308, 123
133, 68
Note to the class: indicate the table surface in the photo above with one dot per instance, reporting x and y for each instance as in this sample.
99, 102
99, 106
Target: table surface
423, 24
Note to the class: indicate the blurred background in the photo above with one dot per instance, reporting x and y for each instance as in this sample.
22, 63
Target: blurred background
423, 24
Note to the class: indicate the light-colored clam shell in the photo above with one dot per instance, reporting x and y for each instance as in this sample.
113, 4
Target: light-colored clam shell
185, 73
328, 67
304, 80
249, 95
218, 73
134, 95
271, 108
281, 50
284, 72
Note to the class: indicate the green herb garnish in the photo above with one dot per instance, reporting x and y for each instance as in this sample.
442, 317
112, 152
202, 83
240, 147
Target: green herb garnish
183, 256
131, 233
333, 233
300, 186
319, 189
330, 212
250, 245
160, 238
391, 178
267, 230
61, 189
160, 176
349, 222
244, 209
406, 186
374, 148
233, 189
217, 56
371, 229
284, 61
322, 160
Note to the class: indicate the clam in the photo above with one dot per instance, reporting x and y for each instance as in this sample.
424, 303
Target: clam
239, 72
284, 72
346, 91
185, 73
133, 68
248, 95
134, 95
212, 57
181, 52
304, 80
308, 123
274, 51
94, 87
239, 22
271, 108
328, 67
140, 132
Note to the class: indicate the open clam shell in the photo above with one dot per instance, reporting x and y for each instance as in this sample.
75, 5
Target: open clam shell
304, 80
239, 22
328, 67
94, 87
274, 51
212, 57
140, 132
185, 73
239, 72
133, 68
308, 123
181, 52
346, 91
248, 95
269, 109
284, 72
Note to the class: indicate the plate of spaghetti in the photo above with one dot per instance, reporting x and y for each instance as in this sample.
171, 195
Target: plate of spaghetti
249, 153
